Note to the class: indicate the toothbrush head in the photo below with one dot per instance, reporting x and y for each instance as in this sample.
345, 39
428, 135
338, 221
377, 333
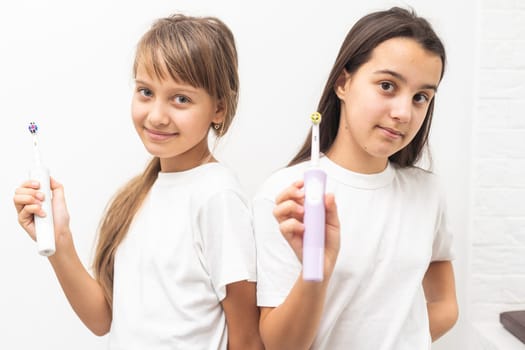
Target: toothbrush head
33, 128
316, 118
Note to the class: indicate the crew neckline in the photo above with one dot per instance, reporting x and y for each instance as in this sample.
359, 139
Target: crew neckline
358, 180
170, 178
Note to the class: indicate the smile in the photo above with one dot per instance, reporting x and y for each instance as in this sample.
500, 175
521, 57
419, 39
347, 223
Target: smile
391, 133
156, 135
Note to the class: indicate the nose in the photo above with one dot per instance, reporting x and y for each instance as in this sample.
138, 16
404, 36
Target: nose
158, 114
401, 109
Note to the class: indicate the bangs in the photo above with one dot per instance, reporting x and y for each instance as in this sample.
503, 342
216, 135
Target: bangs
166, 53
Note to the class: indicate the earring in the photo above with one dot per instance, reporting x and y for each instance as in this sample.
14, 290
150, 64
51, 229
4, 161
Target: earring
217, 126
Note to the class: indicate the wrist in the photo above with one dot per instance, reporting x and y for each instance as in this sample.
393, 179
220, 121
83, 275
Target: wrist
64, 245
314, 288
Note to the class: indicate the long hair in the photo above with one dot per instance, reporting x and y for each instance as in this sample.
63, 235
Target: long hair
370, 31
199, 51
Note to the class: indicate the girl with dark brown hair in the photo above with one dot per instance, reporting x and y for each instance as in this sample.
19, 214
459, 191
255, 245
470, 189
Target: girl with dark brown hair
388, 279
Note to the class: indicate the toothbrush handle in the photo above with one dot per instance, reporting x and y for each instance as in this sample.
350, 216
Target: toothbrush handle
314, 224
45, 234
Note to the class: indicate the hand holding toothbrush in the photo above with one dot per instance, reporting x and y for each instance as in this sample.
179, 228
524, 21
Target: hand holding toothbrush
289, 212
28, 203
312, 211
40, 204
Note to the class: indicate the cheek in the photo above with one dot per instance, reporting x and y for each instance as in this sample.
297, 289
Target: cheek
368, 115
367, 105
195, 117
138, 111
418, 121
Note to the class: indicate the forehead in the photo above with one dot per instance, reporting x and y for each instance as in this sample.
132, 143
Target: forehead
152, 64
147, 73
408, 58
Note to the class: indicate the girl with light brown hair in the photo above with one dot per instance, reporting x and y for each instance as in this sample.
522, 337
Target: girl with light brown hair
175, 259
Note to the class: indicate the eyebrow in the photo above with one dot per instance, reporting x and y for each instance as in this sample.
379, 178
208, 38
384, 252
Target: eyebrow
180, 89
141, 82
403, 79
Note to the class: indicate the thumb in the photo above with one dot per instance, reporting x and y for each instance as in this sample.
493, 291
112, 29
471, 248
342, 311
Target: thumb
60, 212
332, 243
54, 184
58, 193
332, 218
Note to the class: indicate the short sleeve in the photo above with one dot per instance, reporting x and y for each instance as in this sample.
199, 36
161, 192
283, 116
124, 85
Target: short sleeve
442, 248
277, 265
228, 244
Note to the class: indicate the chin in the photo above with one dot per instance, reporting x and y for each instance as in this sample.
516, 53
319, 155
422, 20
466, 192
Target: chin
382, 153
386, 150
155, 152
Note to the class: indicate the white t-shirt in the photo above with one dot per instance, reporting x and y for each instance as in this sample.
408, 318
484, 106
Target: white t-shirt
192, 237
392, 227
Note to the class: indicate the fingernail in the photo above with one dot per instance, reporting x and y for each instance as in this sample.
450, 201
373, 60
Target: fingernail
40, 195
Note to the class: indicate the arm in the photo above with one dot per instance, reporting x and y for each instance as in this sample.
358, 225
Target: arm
440, 292
83, 293
228, 250
294, 323
242, 316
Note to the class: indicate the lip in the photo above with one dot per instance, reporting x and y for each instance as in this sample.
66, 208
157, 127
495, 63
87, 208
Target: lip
156, 135
391, 133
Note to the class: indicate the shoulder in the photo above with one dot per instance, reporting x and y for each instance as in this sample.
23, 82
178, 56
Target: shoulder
418, 179
216, 179
279, 180
218, 174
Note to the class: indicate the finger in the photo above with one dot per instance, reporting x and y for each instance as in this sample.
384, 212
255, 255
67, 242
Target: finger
332, 217
58, 193
27, 195
291, 227
27, 198
288, 209
28, 191
34, 184
55, 184
30, 210
24, 199
333, 231
293, 192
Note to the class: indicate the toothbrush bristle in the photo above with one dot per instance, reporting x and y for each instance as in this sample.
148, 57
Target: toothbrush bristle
33, 128
316, 118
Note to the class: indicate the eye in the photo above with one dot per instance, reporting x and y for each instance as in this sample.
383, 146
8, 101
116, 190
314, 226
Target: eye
181, 99
386, 86
145, 92
421, 98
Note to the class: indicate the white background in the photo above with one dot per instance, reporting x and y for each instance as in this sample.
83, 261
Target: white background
67, 66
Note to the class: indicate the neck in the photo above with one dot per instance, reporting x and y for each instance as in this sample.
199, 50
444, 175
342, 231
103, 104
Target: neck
357, 164
349, 155
198, 155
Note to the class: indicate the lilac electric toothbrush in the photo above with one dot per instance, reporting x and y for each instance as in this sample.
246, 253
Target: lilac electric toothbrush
314, 211
45, 235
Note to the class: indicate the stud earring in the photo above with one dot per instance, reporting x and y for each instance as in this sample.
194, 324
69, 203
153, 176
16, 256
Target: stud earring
217, 126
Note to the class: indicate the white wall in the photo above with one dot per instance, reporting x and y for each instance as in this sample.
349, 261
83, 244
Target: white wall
498, 172
67, 65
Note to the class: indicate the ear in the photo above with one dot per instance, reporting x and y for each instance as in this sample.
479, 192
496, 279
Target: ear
341, 83
220, 112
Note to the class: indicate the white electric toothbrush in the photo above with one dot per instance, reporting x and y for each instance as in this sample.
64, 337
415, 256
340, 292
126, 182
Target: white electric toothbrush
314, 211
45, 234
